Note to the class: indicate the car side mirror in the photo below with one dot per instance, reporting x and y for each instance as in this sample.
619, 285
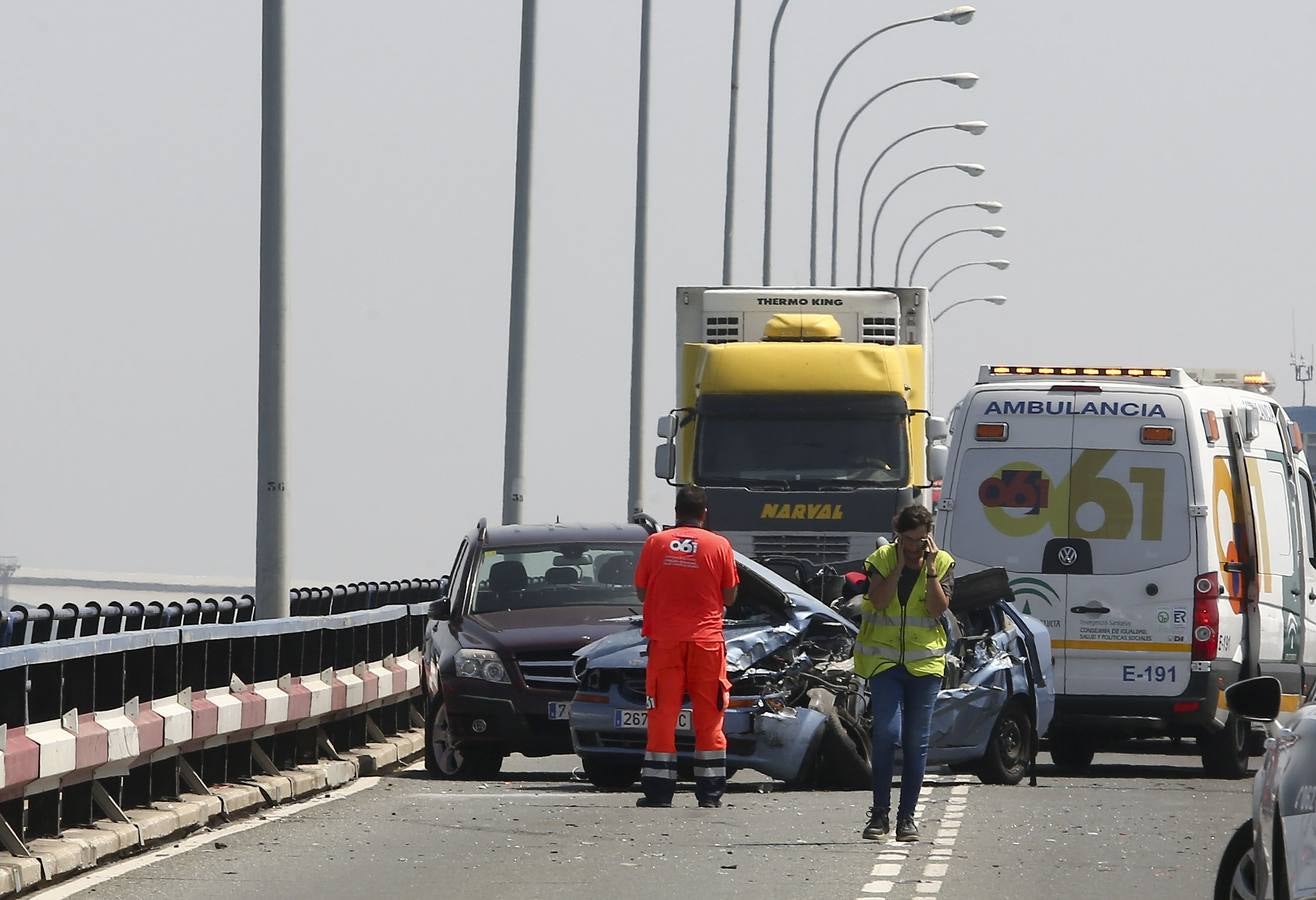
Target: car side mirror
1255, 699
938, 458
441, 610
667, 426
444, 585
936, 429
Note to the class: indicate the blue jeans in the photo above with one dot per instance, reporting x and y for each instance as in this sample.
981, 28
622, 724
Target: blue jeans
902, 710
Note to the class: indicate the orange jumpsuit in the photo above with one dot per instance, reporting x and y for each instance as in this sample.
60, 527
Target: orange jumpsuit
683, 572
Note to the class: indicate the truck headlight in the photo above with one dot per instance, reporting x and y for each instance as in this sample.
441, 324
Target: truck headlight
482, 664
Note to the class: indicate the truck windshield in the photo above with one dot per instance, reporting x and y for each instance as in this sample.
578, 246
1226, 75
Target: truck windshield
802, 441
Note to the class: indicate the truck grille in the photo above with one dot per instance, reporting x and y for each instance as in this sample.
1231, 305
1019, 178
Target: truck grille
879, 330
547, 673
817, 548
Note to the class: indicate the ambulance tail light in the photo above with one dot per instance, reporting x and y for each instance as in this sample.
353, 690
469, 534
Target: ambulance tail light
1295, 437
1211, 424
1206, 615
992, 431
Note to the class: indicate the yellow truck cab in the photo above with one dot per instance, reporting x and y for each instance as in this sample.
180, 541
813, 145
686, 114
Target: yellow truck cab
1162, 529
803, 414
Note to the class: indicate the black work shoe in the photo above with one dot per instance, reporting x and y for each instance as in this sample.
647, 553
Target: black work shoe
651, 803
710, 803
906, 830
879, 823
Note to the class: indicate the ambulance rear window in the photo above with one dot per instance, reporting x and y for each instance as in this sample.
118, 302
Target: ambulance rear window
1130, 505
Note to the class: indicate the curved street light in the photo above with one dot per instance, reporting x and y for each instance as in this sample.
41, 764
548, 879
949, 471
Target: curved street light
994, 263
992, 230
974, 128
971, 169
962, 80
990, 206
959, 15
996, 300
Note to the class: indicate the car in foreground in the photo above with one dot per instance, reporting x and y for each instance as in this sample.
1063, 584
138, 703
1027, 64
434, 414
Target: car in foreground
798, 714
519, 602
1273, 854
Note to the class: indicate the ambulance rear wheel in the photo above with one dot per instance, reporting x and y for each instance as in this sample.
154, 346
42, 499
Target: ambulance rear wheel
1072, 752
1225, 753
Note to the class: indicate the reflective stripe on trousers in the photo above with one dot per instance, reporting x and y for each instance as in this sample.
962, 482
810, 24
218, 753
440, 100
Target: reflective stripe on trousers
659, 765
710, 764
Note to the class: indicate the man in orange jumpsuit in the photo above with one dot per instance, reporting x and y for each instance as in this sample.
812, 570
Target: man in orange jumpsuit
685, 578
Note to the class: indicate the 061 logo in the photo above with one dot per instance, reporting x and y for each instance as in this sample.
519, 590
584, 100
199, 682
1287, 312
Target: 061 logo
684, 545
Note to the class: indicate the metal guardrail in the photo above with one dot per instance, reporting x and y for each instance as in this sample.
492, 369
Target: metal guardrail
94, 725
23, 624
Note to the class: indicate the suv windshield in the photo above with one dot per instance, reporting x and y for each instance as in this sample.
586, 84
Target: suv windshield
532, 577
792, 441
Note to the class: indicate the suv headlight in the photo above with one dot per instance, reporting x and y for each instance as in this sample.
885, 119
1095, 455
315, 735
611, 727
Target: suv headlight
482, 664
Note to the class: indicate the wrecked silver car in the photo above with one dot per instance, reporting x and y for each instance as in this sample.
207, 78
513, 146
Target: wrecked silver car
797, 712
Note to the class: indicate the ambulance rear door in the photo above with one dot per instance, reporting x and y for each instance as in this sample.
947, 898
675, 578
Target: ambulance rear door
1003, 507
1128, 548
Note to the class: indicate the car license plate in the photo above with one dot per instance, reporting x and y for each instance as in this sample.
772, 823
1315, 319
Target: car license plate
559, 711
639, 718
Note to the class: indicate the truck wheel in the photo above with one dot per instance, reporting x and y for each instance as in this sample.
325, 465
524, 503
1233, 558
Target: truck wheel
610, 775
442, 757
1072, 753
1008, 749
842, 758
1225, 753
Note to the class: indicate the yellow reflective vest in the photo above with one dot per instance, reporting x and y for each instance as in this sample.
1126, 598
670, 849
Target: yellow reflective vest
901, 635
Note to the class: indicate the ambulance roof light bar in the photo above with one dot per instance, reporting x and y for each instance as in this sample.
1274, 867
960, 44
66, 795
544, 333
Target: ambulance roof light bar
1173, 377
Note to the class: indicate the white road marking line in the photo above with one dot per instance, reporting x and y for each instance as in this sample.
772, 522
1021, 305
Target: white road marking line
901, 857
102, 874
886, 870
928, 887
878, 887
935, 870
959, 790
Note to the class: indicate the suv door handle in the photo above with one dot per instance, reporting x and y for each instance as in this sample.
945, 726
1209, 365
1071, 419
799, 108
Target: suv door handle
1089, 609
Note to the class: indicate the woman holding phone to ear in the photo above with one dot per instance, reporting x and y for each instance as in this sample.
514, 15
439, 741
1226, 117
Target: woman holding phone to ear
901, 651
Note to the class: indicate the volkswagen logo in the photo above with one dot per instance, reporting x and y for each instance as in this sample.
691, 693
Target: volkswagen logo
1067, 556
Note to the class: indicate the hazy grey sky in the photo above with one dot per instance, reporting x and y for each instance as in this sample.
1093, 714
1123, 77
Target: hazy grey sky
1154, 159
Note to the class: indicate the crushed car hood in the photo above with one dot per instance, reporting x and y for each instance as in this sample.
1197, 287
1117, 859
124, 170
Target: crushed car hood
747, 643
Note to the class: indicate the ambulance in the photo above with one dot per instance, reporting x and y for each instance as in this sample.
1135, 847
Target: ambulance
1163, 531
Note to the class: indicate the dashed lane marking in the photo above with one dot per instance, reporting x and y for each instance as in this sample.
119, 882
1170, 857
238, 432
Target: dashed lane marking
929, 858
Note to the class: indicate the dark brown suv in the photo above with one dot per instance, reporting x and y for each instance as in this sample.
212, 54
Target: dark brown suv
519, 601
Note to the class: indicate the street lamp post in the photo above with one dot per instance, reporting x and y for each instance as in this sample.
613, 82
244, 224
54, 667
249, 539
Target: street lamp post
513, 454
994, 263
992, 230
959, 15
971, 169
767, 161
974, 128
729, 212
990, 206
634, 480
962, 80
996, 300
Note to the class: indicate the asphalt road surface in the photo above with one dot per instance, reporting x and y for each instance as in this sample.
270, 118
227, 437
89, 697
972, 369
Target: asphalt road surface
1136, 825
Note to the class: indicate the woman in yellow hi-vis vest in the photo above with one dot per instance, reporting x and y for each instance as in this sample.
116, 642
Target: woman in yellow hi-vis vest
901, 651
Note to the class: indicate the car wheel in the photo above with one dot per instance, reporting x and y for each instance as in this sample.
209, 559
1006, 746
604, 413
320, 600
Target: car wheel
1225, 753
1009, 748
842, 758
611, 775
1236, 878
1072, 753
442, 757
